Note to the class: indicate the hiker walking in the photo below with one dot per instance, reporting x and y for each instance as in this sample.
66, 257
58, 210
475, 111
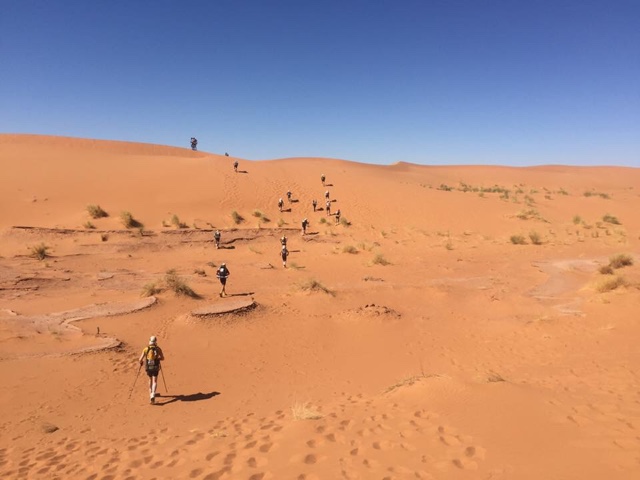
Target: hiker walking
337, 216
151, 357
216, 238
235, 166
326, 195
284, 253
289, 195
328, 207
194, 143
280, 204
222, 273
315, 204
305, 224
283, 241
322, 177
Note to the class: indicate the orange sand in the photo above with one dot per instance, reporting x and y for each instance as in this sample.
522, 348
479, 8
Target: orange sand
466, 356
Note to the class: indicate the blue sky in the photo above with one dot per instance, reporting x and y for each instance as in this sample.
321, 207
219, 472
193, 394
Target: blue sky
431, 82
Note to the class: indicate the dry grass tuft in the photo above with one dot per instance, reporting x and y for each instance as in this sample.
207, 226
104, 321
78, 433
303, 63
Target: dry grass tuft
236, 217
349, 249
150, 289
620, 260
610, 283
178, 285
610, 219
95, 211
175, 221
379, 259
313, 285
304, 411
40, 251
89, 225
606, 270
518, 240
129, 222
535, 238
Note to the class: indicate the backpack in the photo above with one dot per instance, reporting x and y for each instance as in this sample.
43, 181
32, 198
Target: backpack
152, 362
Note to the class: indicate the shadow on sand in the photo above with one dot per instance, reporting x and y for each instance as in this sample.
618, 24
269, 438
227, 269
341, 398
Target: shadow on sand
194, 397
247, 294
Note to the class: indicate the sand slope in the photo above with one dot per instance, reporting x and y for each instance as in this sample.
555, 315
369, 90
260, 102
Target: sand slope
413, 340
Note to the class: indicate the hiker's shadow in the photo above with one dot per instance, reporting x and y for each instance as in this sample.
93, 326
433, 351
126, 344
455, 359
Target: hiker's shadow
247, 294
194, 397
328, 184
294, 200
286, 210
226, 247
307, 235
242, 171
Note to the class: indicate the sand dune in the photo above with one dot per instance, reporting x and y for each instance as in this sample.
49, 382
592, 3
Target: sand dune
455, 324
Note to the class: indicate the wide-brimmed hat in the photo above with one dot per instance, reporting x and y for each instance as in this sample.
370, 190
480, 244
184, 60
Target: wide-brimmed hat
153, 340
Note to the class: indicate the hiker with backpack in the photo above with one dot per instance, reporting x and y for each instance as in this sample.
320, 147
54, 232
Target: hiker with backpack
151, 357
235, 166
289, 195
315, 204
327, 207
222, 273
322, 177
194, 143
305, 224
284, 253
337, 216
280, 204
216, 238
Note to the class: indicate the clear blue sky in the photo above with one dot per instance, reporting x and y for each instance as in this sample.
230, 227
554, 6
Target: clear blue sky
433, 82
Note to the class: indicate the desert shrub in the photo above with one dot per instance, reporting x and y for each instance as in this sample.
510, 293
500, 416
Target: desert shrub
104, 237
606, 270
89, 225
517, 240
591, 193
95, 211
175, 221
344, 222
379, 259
610, 219
562, 191
620, 260
150, 289
237, 218
303, 411
128, 221
281, 222
610, 283
178, 285
577, 219
529, 200
527, 214
323, 220
200, 271
535, 238
313, 285
40, 251
349, 249
295, 266
444, 187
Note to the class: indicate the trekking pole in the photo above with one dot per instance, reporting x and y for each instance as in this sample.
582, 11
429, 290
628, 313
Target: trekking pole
134, 382
163, 380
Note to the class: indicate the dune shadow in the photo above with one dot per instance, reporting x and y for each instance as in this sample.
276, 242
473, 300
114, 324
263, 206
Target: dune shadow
194, 397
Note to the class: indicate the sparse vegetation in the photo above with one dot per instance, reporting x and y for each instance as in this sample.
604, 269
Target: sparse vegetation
379, 259
175, 221
610, 283
95, 211
610, 219
40, 251
606, 270
295, 266
129, 222
344, 222
577, 219
562, 191
178, 285
200, 271
535, 238
313, 285
236, 217
323, 220
444, 187
281, 223
527, 214
150, 289
349, 249
517, 240
89, 225
304, 411
591, 193
258, 214
620, 260
104, 237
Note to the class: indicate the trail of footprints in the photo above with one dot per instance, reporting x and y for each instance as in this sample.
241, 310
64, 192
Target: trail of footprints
354, 441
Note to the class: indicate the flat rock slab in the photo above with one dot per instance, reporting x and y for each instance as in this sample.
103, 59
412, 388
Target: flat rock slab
227, 305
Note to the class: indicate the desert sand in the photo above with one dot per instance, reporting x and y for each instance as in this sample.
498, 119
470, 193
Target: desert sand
454, 325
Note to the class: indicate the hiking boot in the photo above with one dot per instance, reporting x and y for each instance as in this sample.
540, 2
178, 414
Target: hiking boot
152, 400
